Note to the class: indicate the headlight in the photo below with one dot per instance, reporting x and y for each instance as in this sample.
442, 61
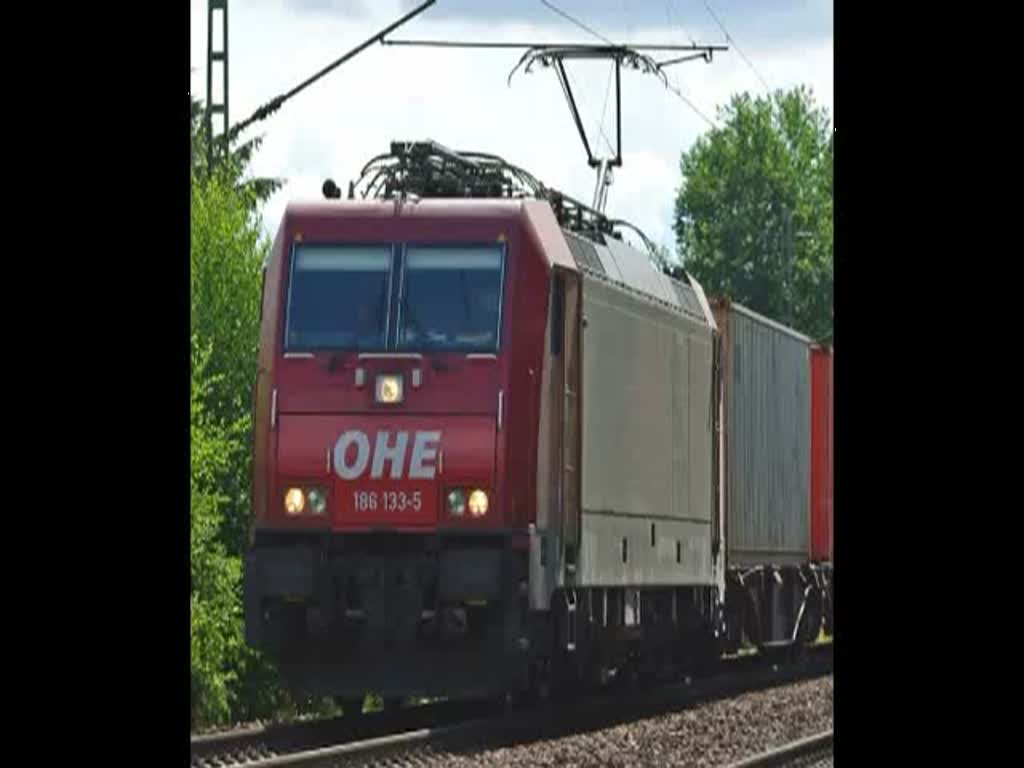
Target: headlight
478, 503
456, 502
294, 501
389, 389
317, 501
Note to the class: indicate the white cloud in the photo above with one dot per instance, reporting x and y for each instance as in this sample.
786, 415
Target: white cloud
460, 98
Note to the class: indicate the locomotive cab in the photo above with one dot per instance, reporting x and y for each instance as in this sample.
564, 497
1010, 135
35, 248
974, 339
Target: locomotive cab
386, 335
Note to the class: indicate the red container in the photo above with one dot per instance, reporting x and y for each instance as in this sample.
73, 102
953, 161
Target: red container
821, 453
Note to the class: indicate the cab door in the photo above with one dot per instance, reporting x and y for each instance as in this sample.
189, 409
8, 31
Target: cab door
566, 328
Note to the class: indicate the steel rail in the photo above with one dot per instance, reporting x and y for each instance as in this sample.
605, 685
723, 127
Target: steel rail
802, 748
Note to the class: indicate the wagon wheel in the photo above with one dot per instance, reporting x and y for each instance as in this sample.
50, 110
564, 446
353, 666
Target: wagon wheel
829, 622
813, 617
753, 622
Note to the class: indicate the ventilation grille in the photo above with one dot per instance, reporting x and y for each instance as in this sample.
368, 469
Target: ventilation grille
687, 298
584, 253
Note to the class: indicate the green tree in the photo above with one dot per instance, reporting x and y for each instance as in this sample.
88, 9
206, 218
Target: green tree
216, 627
234, 166
228, 680
753, 216
227, 253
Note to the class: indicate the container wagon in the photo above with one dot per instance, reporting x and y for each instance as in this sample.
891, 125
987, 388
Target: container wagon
774, 596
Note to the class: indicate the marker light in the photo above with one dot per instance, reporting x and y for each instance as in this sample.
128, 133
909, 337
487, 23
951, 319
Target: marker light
317, 501
294, 501
456, 502
388, 389
478, 503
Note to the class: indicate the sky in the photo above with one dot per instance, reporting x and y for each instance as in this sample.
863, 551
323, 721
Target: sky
462, 98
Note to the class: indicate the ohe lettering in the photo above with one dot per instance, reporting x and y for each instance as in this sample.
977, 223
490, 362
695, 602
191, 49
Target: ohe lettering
388, 455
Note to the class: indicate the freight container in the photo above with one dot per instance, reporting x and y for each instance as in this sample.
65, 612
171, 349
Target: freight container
821, 453
767, 438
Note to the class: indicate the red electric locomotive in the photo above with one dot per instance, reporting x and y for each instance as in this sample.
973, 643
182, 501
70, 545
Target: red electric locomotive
402, 345
487, 451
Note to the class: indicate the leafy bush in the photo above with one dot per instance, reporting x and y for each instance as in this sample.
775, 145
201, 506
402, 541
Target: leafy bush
229, 680
227, 250
216, 627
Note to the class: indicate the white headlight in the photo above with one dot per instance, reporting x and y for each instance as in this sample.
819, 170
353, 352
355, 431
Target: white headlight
294, 501
478, 503
389, 389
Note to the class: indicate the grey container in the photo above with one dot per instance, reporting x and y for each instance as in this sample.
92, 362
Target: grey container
767, 438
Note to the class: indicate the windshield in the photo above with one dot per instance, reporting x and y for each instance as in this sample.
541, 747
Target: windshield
338, 297
451, 298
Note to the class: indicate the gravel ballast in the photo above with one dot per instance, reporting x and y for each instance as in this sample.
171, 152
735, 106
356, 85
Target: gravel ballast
713, 734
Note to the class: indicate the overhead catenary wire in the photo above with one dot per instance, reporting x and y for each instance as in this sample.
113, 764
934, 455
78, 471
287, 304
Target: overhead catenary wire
575, 21
669, 5
583, 50
274, 104
676, 90
426, 43
555, 56
735, 45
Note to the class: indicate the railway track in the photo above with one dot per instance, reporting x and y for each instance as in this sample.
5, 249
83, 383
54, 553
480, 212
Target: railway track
810, 752
418, 733
249, 746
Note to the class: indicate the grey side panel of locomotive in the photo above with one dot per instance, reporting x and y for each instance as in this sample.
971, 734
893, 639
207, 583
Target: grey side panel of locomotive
768, 433
647, 442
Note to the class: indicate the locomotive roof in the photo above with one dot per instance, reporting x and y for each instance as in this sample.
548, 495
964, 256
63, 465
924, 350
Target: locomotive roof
604, 257
617, 262
537, 212
470, 207
427, 179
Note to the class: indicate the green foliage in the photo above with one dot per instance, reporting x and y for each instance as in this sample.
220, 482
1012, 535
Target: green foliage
227, 254
228, 680
663, 256
754, 214
216, 636
233, 166
227, 251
